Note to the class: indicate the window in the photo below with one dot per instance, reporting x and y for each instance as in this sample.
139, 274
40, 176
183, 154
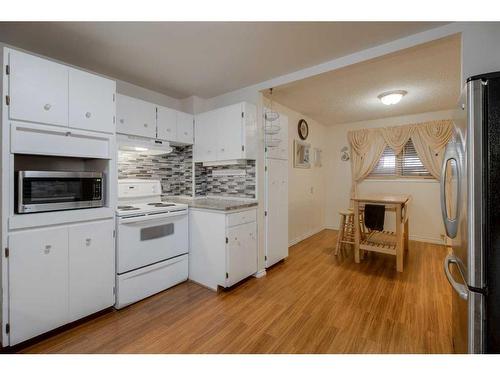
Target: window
405, 165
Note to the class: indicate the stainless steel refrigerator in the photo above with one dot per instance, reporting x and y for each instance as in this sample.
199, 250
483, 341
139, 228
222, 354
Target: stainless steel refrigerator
470, 203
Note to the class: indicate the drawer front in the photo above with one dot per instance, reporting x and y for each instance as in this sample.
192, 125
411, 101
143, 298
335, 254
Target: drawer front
48, 140
243, 217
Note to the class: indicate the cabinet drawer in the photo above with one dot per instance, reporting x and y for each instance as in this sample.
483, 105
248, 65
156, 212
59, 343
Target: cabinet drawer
242, 217
48, 140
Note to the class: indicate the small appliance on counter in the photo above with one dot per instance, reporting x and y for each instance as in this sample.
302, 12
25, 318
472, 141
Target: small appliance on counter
152, 241
41, 191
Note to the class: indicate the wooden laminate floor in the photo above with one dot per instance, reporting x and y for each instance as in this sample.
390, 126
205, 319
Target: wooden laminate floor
311, 303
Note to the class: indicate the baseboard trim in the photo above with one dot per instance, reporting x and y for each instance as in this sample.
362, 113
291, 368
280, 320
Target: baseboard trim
305, 236
433, 240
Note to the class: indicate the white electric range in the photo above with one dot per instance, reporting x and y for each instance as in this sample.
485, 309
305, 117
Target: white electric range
152, 241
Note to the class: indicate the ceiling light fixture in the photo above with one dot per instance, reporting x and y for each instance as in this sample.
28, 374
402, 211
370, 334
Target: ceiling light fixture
392, 97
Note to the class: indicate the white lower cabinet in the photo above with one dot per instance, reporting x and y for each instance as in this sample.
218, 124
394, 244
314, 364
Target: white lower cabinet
223, 247
38, 282
91, 268
58, 275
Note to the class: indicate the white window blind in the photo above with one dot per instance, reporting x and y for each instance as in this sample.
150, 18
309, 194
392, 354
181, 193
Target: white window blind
405, 165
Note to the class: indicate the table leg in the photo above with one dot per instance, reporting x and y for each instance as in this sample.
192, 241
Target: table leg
407, 234
399, 239
357, 234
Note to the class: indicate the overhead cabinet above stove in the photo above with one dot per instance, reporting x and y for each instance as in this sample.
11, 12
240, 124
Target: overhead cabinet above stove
140, 118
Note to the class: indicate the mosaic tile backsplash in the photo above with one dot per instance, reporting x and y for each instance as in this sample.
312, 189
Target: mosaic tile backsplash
238, 183
174, 170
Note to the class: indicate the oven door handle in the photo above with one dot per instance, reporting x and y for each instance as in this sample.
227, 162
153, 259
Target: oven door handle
136, 219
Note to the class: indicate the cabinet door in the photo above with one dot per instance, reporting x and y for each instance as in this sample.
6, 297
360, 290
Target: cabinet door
91, 268
206, 133
277, 211
184, 128
38, 282
135, 117
166, 124
230, 133
91, 102
38, 90
241, 252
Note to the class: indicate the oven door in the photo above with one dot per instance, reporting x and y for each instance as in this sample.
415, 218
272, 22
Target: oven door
39, 191
145, 240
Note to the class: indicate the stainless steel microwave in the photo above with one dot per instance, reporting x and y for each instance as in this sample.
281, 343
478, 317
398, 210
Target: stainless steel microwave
41, 191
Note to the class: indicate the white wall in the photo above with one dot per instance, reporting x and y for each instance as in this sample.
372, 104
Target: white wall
306, 187
425, 214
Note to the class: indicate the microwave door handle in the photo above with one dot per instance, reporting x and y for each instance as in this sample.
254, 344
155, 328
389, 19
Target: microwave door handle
136, 219
461, 289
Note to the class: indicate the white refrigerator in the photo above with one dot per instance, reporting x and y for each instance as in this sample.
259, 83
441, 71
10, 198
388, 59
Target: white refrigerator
276, 189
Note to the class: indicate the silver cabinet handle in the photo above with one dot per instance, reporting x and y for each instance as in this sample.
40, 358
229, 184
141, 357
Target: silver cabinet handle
47, 249
145, 125
169, 130
67, 134
461, 289
88, 115
47, 106
88, 241
122, 121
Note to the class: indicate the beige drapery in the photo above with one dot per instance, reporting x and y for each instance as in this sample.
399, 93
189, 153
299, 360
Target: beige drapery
367, 146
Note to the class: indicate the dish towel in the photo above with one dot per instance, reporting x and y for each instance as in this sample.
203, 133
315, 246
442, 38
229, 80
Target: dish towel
374, 216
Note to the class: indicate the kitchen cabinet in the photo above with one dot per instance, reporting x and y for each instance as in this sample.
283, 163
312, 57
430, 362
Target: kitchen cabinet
223, 246
91, 268
185, 123
38, 89
135, 117
228, 133
38, 282
166, 123
59, 275
91, 102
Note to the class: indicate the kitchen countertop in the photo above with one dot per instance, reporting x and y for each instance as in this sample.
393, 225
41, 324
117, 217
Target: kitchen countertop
218, 204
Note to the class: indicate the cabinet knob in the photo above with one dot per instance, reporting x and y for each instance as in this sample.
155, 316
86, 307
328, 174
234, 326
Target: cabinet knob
169, 130
47, 249
47, 106
145, 125
68, 134
185, 133
222, 149
122, 121
88, 115
88, 241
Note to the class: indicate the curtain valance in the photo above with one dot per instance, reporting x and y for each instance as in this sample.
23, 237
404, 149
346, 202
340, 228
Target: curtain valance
367, 146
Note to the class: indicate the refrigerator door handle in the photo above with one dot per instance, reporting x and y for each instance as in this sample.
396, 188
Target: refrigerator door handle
461, 289
450, 224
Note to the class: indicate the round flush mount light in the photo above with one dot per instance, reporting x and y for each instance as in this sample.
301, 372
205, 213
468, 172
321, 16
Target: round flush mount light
392, 97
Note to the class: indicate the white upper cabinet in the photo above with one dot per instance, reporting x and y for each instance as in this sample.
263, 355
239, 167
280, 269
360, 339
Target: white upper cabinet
91, 102
38, 89
166, 123
135, 117
185, 123
227, 133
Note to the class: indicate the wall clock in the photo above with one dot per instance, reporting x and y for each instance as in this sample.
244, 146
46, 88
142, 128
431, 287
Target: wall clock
303, 129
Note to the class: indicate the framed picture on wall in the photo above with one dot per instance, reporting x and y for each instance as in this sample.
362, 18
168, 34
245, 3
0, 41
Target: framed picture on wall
301, 154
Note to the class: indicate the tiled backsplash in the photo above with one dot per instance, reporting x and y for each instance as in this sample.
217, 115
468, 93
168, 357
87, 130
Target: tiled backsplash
174, 170
238, 182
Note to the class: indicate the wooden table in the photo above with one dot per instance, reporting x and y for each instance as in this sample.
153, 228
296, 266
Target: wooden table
383, 242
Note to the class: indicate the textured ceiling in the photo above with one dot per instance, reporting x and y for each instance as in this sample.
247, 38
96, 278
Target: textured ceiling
205, 59
429, 72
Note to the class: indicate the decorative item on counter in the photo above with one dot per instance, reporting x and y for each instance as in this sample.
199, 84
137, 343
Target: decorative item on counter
344, 154
301, 154
303, 129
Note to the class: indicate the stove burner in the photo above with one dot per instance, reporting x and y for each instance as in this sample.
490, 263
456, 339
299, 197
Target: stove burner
161, 204
127, 208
